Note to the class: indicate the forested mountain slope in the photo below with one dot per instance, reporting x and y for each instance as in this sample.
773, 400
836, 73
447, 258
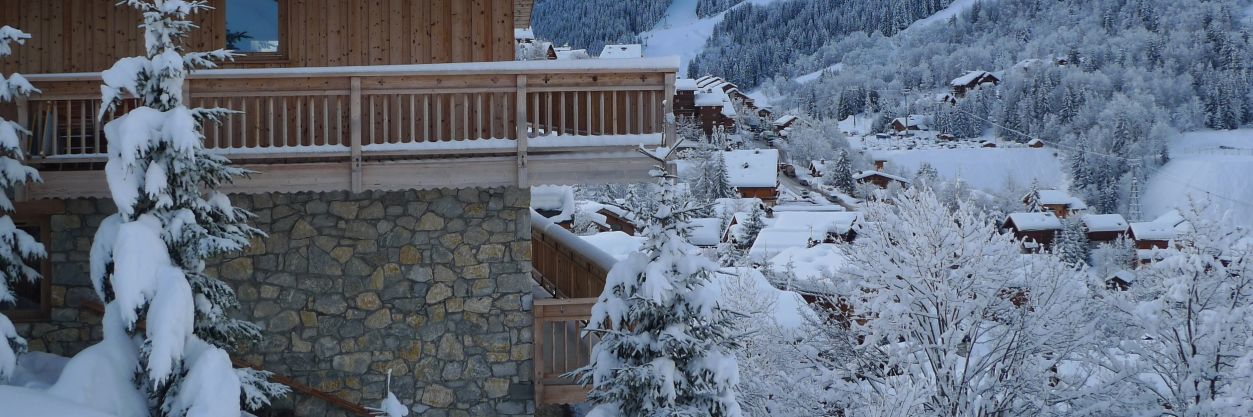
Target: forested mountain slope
593, 23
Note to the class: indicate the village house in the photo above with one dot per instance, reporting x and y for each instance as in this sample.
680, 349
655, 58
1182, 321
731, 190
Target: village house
803, 230
1059, 202
783, 123
628, 51
913, 122
714, 110
880, 179
754, 173
392, 180
1035, 230
1103, 228
972, 80
566, 53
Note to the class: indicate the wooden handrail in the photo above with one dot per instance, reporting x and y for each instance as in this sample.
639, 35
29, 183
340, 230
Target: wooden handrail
559, 348
340, 403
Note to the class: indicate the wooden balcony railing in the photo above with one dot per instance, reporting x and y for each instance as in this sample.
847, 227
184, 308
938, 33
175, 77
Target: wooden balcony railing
561, 347
383, 113
567, 266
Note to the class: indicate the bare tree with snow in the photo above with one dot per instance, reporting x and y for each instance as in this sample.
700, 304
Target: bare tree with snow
148, 260
666, 347
1185, 323
944, 317
16, 246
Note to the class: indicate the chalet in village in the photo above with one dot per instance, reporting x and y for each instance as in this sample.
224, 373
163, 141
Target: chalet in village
391, 178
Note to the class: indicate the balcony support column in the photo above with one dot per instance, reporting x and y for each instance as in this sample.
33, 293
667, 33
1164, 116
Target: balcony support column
354, 128
521, 115
667, 113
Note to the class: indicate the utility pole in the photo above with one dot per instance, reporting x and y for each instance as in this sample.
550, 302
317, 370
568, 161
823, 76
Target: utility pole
1133, 209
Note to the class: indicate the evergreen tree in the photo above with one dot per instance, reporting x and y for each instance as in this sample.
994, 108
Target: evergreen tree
16, 246
752, 227
841, 174
719, 179
666, 346
1072, 243
148, 260
927, 176
1031, 202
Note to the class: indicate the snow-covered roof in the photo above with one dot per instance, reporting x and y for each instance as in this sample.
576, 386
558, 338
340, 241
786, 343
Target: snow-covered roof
814, 265
728, 109
633, 50
969, 77
866, 174
710, 98
705, 231
1152, 231
1105, 222
788, 309
724, 207
1027, 222
559, 198
1124, 276
752, 168
784, 120
685, 84
912, 120
1035, 141
616, 244
571, 54
1060, 198
523, 34
806, 207
819, 222
772, 241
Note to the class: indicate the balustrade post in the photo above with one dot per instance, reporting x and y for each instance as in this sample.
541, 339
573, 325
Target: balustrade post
521, 116
667, 116
354, 127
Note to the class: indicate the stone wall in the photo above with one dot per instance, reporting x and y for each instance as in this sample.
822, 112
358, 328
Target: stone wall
433, 285
70, 327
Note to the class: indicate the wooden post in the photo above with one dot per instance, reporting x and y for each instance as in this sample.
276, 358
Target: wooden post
354, 127
667, 137
537, 353
23, 120
523, 177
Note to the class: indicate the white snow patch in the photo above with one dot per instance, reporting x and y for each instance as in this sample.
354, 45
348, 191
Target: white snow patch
986, 169
1212, 167
813, 76
27, 402
955, 8
681, 33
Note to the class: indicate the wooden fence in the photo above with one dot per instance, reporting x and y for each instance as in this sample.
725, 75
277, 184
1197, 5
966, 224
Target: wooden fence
561, 347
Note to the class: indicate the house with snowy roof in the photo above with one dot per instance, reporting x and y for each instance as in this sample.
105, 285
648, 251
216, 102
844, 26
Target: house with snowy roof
714, 110
1035, 230
1060, 202
972, 80
566, 53
1104, 227
394, 146
784, 122
912, 122
627, 51
754, 173
802, 230
880, 179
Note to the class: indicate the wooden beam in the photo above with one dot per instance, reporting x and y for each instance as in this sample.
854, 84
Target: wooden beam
523, 176
354, 126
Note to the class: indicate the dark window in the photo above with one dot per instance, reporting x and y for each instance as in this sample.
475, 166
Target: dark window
253, 26
32, 297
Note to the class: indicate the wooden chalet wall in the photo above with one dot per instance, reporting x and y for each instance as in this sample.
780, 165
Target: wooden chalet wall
89, 35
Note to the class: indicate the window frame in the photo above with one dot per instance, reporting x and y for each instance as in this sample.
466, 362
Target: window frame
44, 312
284, 23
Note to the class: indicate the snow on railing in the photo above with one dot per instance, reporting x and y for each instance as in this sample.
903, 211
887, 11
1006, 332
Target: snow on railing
397, 110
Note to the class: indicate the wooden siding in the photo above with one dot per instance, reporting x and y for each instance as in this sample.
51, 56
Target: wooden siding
89, 35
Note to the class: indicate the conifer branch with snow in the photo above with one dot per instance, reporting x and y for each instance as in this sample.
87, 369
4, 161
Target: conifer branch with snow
666, 346
16, 246
148, 261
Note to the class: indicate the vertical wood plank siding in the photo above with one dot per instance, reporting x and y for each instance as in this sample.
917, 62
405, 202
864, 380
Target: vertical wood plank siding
89, 35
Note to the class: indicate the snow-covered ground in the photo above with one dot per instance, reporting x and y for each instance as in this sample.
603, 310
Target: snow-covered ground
988, 169
814, 75
681, 33
953, 9
1215, 167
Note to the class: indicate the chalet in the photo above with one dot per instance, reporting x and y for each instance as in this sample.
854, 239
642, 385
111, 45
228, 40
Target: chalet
392, 181
618, 219
714, 109
705, 232
754, 173
685, 98
945, 137
1060, 202
972, 80
765, 112
987, 144
1120, 280
566, 53
1035, 230
1035, 143
1102, 228
913, 122
785, 122
803, 230
880, 179
1151, 235
629, 51
818, 168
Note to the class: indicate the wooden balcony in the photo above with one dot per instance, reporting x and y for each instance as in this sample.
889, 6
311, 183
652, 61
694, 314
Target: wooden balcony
385, 127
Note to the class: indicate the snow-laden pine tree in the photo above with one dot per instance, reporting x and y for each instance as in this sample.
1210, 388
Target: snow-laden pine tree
1031, 202
16, 246
840, 174
1186, 322
1072, 243
719, 178
666, 346
753, 223
949, 319
148, 260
